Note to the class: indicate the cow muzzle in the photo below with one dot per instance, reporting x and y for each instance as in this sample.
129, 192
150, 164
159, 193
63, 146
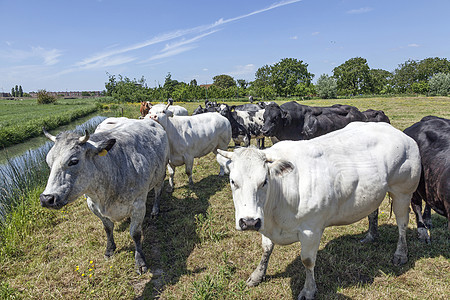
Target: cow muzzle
50, 201
250, 224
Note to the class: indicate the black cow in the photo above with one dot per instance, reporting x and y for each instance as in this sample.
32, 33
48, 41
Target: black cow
246, 107
293, 121
201, 110
432, 134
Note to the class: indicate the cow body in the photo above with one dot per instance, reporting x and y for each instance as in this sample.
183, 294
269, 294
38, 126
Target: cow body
245, 124
191, 137
115, 169
293, 121
295, 189
432, 135
148, 108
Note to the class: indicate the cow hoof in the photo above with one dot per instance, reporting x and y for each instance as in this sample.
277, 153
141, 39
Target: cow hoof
141, 270
399, 260
155, 213
424, 235
253, 281
306, 295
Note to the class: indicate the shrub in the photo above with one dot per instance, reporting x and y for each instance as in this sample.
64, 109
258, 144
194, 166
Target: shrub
440, 84
43, 97
326, 87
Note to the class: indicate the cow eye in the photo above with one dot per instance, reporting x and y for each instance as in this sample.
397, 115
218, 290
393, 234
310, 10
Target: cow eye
73, 162
264, 183
233, 183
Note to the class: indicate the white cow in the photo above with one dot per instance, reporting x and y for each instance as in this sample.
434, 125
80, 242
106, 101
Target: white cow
191, 137
115, 168
295, 189
175, 109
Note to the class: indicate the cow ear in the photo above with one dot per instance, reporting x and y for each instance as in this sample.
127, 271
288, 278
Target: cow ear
104, 146
280, 167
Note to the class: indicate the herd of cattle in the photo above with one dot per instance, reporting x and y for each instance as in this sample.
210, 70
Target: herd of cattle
328, 166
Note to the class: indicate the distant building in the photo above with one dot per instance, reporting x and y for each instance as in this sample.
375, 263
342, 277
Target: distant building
71, 94
5, 95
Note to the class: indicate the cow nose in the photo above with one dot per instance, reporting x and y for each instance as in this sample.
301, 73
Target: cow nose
47, 200
250, 224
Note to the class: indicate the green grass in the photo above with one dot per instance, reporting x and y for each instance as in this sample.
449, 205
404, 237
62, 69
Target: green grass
194, 252
20, 120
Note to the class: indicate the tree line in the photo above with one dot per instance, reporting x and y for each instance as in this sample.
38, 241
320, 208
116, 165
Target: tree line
17, 91
290, 78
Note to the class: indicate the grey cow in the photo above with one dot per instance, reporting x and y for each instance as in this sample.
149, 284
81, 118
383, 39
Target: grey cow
115, 168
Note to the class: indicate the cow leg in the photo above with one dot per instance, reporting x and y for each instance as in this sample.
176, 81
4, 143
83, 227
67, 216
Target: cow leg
310, 242
400, 205
372, 233
258, 274
427, 216
416, 204
189, 164
108, 225
171, 171
158, 191
137, 217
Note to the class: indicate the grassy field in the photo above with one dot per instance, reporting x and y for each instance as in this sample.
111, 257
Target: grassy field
194, 252
20, 120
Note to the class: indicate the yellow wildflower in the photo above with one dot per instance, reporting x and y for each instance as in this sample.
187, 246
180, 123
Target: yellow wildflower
83, 274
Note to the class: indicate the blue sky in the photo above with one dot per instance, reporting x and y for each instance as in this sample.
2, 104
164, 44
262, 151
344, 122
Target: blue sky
70, 45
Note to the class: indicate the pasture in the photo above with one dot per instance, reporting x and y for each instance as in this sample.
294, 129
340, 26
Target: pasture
194, 252
20, 120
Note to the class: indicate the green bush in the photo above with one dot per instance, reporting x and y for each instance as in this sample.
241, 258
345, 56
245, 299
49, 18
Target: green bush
43, 97
326, 87
440, 84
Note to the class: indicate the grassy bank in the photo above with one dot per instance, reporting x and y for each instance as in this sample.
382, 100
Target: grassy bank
194, 252
21, 120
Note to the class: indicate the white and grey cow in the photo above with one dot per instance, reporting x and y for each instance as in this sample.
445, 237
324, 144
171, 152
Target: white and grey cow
115, 168
191, 137
295, 189
175, 109
248, 122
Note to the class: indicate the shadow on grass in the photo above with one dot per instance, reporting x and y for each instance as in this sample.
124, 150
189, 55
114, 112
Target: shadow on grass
345, 262
171, 236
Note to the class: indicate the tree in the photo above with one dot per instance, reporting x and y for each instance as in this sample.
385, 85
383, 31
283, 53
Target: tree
224, 81
16, 91
413, 71
20, 91
353, 76
378, 80
242, 83
326, 87
287, 74
43, 97
440, 84
13, 93
193, 82
170, 84
421, 87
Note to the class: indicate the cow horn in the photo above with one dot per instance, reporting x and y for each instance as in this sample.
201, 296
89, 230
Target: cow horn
84, 138
226, 154
48, 135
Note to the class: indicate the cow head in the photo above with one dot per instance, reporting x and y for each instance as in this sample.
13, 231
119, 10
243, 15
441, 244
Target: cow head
71, 162
274, 119
252, 175
145, 108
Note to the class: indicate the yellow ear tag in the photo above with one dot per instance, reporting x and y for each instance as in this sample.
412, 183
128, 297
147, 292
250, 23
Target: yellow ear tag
103, 152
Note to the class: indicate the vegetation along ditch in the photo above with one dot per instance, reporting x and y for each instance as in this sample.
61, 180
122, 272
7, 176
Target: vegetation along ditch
23, 173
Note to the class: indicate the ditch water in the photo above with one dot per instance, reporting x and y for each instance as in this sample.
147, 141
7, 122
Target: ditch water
23, 166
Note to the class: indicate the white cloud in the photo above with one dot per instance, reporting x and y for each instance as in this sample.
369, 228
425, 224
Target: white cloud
169, 53
37, 55
248, 69
205, 69
362, 10
315, 33
414, 45
92, 60
294, 37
